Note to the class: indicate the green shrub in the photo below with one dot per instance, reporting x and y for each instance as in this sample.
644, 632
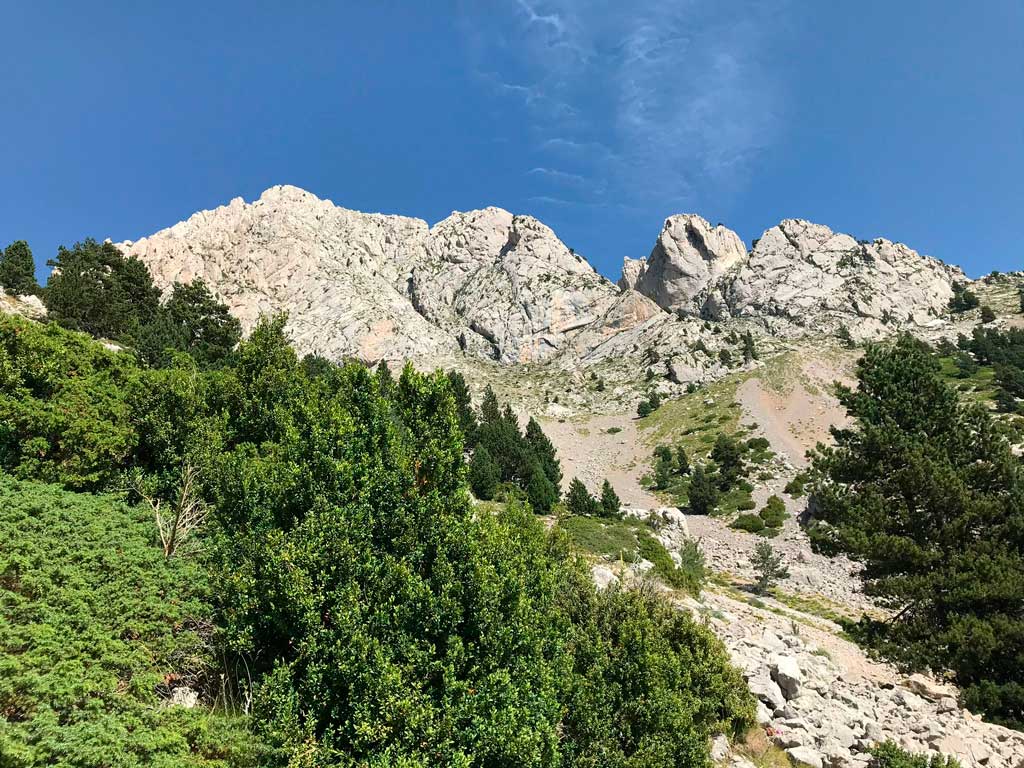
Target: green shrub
746, 503
688, 576
774, 512
749, 523
795, 487
95, 628
888, 754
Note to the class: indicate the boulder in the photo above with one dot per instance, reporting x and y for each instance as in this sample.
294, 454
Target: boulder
767, 690
786, 672
805, 756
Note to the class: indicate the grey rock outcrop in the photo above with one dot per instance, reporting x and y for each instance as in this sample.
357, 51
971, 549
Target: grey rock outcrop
377, 286
688, 259
800, 272
806, 272
30, 307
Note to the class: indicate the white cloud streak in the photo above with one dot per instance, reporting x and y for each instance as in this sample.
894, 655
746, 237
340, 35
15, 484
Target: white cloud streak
656, 99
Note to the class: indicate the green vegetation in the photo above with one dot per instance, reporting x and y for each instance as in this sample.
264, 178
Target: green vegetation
342, 583
96, 627
889, 754
768, 566
926, 491
774, 512
749, 523
963, 299
610, 539
18, 270
503, 454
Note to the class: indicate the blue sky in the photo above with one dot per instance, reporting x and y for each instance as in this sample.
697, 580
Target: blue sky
898, 119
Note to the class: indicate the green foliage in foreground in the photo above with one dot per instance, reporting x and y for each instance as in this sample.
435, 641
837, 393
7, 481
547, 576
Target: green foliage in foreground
927, 492
92, 620
888, 754
384, 620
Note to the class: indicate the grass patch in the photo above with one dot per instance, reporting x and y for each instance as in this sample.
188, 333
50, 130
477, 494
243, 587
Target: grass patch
612, 539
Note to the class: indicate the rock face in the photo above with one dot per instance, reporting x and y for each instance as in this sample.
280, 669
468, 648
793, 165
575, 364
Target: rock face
687, 261
801, 272
30, 307
376, 286
804, 271
493, 285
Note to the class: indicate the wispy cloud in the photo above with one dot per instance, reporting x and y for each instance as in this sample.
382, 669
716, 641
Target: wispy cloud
558, 177
658, 99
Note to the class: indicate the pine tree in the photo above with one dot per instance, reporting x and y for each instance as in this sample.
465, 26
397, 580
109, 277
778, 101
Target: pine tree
682, 461
703, 495
463, 406
540, 491
96, 289
769, 567
749, 348
610, 502
728, 455
483, 474
926, 492
490, 411
385, 381
544, 451
18, 270
578, 499
987, 315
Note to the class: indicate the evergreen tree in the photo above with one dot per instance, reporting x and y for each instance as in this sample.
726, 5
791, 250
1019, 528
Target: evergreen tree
987, 315
927, 493
544, 451
682, 461
727, 453
749, 348
96, 290
191, 321
385, 379
484, 474
769, 567
490, 411
662, 474
18, 270
578, 499
610, 502
540, 491
463, 406
703, 494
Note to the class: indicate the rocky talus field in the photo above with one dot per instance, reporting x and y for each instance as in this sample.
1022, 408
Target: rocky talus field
500, 298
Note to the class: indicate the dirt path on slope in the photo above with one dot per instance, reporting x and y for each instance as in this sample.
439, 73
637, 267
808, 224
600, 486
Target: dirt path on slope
588, 451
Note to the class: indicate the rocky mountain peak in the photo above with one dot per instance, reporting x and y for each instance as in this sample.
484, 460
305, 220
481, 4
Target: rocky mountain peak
687, 258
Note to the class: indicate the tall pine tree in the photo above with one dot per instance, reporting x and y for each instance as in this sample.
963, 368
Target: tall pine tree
18, 270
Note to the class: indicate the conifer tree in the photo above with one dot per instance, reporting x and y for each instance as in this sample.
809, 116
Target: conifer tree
544, 451
769, 567
925, 491
18, 270
610, 502
484, 474
578, 499
703, 495
490, 411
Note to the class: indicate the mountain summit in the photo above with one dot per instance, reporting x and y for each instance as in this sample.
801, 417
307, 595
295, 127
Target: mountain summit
494, 285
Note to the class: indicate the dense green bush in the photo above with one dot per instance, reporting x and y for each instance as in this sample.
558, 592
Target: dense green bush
774, 512
927, 492
96, 626
749, 523
889, 754
380, 618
